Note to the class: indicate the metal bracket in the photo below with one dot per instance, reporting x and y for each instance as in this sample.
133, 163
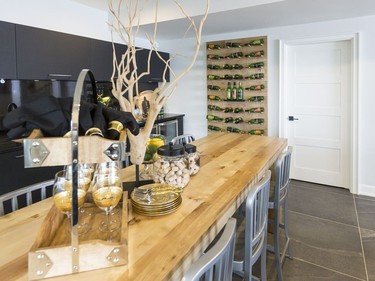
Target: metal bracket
39, 265
116, 151
116, 256
36, 152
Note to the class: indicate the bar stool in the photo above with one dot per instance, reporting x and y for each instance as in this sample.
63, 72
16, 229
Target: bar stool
181, 139
10, 201
279, 203
256, 213
217, 263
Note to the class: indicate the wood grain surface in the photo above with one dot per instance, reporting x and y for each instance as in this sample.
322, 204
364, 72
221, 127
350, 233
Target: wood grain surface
162, 248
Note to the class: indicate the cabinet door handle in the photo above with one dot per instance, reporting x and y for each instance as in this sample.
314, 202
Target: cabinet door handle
19, 156
59, 75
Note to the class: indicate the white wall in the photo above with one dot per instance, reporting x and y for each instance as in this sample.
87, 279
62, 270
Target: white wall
191, 95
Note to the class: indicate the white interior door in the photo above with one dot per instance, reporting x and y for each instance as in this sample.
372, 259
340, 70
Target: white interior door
317, 84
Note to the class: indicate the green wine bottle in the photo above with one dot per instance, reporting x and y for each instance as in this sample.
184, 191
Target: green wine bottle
256, 54
213, 46
255, 88
213, 88
228, 109
240, 92
256, 42
255, 76
255, 110
234, 130
211, 117
229, 91
256, 121
228, 120
213, 97
238, 120
256, 98
237, 76
213, 66
214, 107
215, 128
256, 65
238, 110
235, 55
213, 77
234, 91
232, 45
214, 57
258, 132
227, 66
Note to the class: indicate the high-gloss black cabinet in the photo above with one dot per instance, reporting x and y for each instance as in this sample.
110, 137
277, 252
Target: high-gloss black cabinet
44, 54
101, 58
8, 51
157, 66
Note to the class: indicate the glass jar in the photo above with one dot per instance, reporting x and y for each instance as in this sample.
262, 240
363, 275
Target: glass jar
193, 158
171, 166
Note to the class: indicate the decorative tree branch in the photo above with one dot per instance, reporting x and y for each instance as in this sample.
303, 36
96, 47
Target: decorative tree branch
125, 78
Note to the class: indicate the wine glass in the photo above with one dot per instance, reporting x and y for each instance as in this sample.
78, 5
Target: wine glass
62, 195
107, 193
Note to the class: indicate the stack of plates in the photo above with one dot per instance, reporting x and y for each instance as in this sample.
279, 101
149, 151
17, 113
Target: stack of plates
162, 199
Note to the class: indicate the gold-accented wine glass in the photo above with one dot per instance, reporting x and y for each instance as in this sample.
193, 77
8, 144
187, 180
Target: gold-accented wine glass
107, 193
62, 195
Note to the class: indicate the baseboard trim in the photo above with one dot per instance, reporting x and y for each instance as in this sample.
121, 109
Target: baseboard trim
367, 190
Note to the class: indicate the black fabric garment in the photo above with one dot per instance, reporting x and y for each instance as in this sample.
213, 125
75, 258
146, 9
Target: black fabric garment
53, 115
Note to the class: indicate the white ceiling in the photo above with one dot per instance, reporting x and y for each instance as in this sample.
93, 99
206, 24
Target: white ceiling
237, 15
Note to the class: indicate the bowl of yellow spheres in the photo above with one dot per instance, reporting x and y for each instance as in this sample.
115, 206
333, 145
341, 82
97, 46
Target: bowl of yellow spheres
153, 143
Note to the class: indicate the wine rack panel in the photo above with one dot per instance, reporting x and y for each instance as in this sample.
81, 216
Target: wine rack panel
240, 61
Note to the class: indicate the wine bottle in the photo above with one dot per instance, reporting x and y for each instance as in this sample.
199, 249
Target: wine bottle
214, 107
234, 130
258, 132
211, 117
98, 122
237, 76
228, 120
213, 66
228, 109
237, 66
227, 77
256, 54
255, 110
240, 92
256, 76
213, 88
256, 98
213, 97
256, 65
256, 121
119, 120
232, 45
234, 91
255, 88
213, 47
215, 128
229, 91
256, 42
235, 55
238, 120
213, 77
238, 110
214, 57
227, 66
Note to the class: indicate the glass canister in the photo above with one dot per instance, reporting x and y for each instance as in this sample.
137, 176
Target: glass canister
193, 158
171, 166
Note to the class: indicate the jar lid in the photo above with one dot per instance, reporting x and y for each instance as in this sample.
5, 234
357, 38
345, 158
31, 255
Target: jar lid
171, 150
189, 148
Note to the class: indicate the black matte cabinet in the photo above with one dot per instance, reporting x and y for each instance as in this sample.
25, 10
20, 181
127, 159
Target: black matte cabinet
157, 66
44, 54
8, 51
101, 58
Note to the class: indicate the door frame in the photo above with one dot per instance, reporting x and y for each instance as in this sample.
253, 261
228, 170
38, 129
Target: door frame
353, 99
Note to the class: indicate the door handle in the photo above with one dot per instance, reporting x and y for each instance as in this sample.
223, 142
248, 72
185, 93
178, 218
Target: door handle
291, 118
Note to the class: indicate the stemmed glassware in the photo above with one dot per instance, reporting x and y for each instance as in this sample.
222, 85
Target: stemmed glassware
63, 192
107, 193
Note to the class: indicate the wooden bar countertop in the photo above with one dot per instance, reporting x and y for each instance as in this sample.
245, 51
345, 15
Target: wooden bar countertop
162, 248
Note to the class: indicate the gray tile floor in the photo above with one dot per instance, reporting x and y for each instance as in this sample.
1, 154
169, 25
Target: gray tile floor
332, 233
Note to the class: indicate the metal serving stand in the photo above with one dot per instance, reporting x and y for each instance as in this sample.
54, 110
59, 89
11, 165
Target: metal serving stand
51, 254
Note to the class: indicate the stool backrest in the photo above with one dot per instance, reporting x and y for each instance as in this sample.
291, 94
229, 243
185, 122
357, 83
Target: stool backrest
11, 201
282, 175
217, 263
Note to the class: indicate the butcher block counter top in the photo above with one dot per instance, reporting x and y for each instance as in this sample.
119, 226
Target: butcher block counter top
162, 248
